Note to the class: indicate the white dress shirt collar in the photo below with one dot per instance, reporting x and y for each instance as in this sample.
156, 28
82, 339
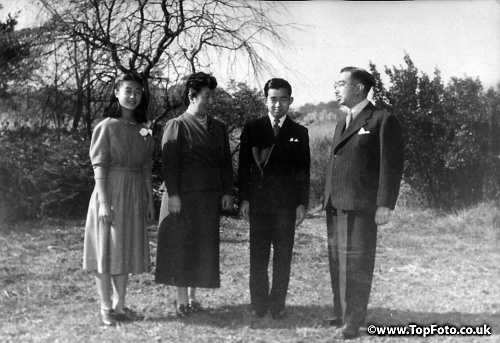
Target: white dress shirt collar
282, 119
358, 108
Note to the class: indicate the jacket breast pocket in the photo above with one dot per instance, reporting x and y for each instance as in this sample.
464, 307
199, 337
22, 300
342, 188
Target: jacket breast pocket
292, 144
365, 139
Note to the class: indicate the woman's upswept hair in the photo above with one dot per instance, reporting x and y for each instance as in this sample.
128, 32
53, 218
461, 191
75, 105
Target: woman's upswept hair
195, 83
114, 109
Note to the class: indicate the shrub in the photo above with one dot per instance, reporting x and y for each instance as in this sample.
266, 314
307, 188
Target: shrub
44, 172
320, 142
450, 135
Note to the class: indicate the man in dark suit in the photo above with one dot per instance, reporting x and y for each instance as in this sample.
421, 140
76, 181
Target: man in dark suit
361, 189
273, 179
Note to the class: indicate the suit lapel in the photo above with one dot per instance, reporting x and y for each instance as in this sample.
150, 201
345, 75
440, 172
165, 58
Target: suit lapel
360, 121
263, 142
337, 136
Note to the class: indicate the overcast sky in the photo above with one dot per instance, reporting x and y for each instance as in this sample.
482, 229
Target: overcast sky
460, 38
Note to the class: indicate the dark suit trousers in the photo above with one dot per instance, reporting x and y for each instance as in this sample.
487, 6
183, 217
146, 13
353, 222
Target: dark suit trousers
278, 230
352, 241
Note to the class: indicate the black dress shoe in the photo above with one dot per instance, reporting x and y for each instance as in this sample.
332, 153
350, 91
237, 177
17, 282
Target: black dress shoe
350, 332
258, 314
181, 310
195, 306
335, 321
278, 314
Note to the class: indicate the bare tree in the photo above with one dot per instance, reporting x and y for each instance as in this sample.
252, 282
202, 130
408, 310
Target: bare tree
167, 39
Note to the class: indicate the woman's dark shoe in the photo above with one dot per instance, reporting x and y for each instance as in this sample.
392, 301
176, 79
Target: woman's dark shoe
108, 317
132, 314
181, 310
128, 315
195, 306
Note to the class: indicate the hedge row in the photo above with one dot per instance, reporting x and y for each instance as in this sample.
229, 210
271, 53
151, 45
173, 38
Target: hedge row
46, 172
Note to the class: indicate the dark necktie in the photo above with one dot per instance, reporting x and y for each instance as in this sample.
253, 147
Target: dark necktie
276, 127
349, 119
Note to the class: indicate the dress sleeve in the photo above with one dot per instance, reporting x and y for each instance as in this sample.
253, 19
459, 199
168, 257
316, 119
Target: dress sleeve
227, 166
171, 156
100, 150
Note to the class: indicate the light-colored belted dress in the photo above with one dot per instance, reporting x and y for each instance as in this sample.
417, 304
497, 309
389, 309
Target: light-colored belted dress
123, 156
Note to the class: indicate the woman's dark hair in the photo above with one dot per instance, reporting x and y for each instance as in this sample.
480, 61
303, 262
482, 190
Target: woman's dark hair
195, 83
114, 109
277, 84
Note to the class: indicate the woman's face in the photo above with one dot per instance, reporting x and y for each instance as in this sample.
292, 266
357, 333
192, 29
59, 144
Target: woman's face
129, 95
200, 104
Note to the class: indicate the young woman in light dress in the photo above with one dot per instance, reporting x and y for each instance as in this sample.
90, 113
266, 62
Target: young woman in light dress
116, 237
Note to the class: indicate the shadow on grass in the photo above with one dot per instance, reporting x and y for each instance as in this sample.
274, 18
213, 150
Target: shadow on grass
390, 317
239, 316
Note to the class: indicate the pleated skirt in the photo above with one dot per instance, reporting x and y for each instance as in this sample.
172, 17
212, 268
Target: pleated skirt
123, 246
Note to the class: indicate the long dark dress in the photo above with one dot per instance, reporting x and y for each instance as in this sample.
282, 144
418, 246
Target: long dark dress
197, 167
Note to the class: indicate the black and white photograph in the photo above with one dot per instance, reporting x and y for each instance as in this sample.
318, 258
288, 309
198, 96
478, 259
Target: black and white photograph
249, 171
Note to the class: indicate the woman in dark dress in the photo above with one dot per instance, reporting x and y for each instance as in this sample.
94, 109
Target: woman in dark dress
197, 170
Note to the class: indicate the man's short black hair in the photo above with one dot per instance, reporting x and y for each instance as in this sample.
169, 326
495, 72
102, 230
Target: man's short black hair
277, 83
362, 76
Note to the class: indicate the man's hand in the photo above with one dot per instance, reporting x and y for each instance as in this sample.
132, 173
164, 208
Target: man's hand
174, 204
245, 210
382, 215
227, 202
301, 215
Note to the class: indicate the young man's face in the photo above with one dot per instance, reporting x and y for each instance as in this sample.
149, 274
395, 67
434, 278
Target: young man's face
278, 101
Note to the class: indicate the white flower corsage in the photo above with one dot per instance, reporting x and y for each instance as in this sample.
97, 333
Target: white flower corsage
144, 132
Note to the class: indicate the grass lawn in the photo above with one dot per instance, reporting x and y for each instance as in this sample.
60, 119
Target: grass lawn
431, 269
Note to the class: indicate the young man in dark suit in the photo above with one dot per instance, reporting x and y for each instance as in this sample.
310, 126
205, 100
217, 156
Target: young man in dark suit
273, 179
361, 189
